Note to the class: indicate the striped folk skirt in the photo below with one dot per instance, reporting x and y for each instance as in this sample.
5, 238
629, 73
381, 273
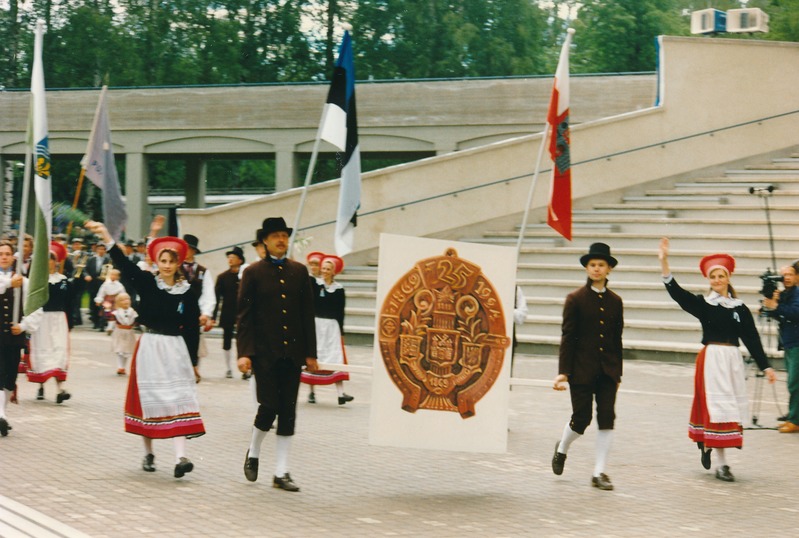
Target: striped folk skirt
720, 403
162, 391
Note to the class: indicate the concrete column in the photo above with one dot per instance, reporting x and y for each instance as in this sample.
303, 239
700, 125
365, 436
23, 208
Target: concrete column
196, 173
137, 188
286, 169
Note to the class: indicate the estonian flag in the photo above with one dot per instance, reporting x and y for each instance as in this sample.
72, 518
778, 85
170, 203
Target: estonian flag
340, 128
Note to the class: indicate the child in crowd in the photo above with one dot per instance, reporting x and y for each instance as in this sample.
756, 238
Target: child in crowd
123, 339
107, 294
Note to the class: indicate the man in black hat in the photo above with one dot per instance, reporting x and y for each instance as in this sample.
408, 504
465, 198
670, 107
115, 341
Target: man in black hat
202, 284
94, 274
591, 360
276, 339
227, 291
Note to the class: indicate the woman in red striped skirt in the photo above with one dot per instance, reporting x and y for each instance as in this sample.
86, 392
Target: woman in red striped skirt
162, 399
720, 403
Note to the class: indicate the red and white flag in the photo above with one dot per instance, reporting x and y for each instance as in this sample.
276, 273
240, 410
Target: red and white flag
559, 213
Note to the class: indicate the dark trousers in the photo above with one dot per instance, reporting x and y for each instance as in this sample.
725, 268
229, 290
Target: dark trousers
9, 365
95, 311
227, 336
604, 390
277, 385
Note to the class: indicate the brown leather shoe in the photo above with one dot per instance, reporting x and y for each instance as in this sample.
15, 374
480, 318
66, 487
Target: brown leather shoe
789, 427
284, 482
602, 482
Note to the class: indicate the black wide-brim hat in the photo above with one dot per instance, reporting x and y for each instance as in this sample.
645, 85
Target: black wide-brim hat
237, 251
193, 242
598, 251
272, 225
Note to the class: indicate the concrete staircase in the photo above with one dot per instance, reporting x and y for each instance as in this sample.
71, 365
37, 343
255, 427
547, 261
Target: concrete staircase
714, 214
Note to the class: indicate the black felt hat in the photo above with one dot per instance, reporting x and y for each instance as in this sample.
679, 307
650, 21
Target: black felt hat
237, 251
274, 224
192, 241
598, 251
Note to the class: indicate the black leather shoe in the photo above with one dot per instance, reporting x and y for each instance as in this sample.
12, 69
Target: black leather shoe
185, 466
783, 418
344, 399
312, 398
148, 463
250, 467
558, 460
62, 396
706, 458
40, 393
4, 427
723, 473
284, 482
602, 482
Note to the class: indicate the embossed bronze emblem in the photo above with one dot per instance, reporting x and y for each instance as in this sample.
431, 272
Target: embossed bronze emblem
442, 335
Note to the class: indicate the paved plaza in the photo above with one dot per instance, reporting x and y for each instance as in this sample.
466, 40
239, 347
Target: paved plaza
70, 470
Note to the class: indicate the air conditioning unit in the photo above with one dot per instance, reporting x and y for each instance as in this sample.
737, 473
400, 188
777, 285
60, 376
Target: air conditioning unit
708, 21
747, 20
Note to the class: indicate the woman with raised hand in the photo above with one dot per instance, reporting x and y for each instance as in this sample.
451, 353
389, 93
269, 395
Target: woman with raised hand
161, 399
720, 403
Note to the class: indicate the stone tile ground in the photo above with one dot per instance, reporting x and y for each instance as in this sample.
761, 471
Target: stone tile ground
75, 464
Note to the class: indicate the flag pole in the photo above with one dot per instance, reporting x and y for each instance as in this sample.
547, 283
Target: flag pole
77, 197
532, 190
308, 176
23, 213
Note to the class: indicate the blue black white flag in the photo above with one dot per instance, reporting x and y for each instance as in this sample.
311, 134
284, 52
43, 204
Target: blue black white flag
340, 128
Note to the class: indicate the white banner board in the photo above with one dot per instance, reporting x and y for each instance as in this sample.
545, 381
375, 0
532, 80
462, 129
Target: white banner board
442, 345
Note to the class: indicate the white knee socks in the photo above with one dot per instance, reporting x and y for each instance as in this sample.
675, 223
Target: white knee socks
227, 358
4, 397
255, 442
340, 388
148, 445
604, 439
180, 448
721, 460
282, 446
122, 360
569, 436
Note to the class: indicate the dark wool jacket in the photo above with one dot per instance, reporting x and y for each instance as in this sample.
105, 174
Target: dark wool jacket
276, 313
590, 344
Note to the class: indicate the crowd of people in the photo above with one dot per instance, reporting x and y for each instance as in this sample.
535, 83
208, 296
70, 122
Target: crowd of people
287, 321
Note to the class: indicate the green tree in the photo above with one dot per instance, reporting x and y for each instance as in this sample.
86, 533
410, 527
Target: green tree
438, 38
619, 35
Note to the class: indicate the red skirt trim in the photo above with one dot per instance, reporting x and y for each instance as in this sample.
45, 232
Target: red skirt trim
700, 428
326, 377
186, 425
41, 377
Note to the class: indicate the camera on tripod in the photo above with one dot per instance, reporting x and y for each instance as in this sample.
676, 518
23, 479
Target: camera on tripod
769, 280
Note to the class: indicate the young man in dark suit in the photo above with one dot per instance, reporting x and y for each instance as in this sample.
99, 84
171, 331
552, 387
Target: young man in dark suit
276, 338
94, 274
591, 360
